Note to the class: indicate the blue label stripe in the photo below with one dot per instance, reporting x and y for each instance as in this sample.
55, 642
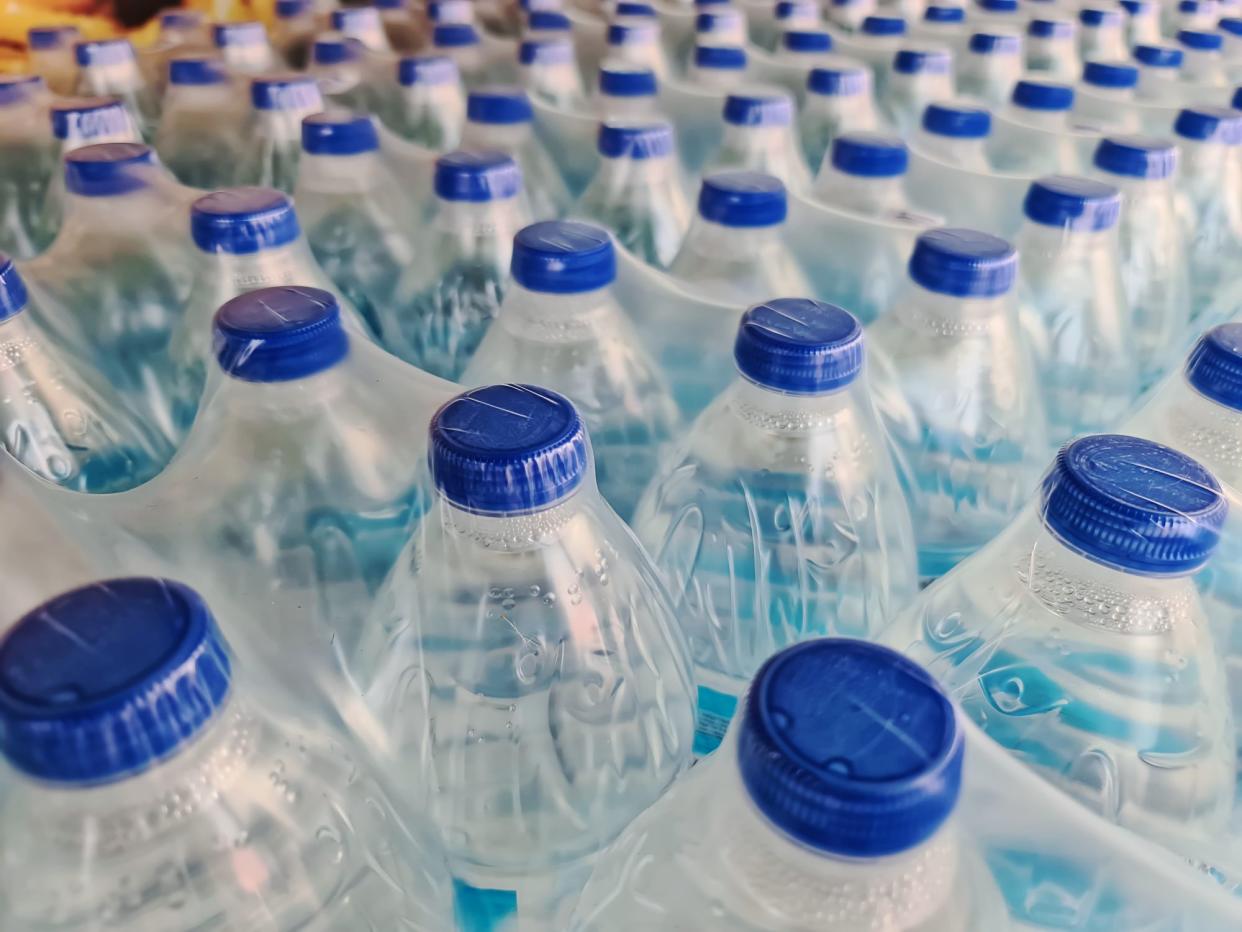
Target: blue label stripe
715, 712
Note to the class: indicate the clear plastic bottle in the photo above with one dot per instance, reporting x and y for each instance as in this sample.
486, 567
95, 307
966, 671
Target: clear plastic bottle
990, 67
945, 23
1077, 639
1101, 33
293, 31
279, 103
759, 136
431, 102
838, 100
1041, 103
637, 40
1192, 14
200, 132
547, 24
527, 624
955, 384
499, 117
109, 68
162, 790
50, 52
560, 327
955, 133
720, 25
864, 174
916, 78
1105, 96
626, 91
550, 73
364, 24
1153, 249
359, 221
26, 163
244, 47
447, 300
830, 807
348, 74
1142, 25
778, 517
1159, 67
805, 47
734, 250
404, 26
719, 68
181, 32
637, 191
460, 42
1203, 59
796, 16
1052, 48
60, 419
1073, 307
1003, 14
848, 15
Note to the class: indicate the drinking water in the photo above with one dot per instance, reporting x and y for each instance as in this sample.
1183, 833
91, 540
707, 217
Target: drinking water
200, 133
1052, 48
1142, 22
1203, 61
1159, 67
26, 162
1041, 103
1102, 33
637, 41
279, 103
956, 134
864, 174
347, 74
759, 137
1105, 97
243, 47
109, 68
849, 15
838, 100
460, 42
550, 72
991, 66
779, 518
430, 106
917, 77
719, 68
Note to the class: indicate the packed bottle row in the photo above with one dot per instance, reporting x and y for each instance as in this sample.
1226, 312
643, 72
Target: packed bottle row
758, 465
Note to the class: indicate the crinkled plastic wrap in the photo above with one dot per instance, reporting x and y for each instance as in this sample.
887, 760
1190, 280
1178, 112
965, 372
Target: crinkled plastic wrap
989, 200
109, 68
1015, 147
1077, 640
202, 130
273, 134
525, 658
569, 137
168, 771
26, 163
429, 106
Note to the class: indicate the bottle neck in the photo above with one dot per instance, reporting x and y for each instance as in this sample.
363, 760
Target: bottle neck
951, 315
922, 85
1202, 65
506, 136
118, 78
1056, 120
993, 67
964, 153
716, 79
730, 244
222, 273
199, 97
361, 172
623, 173
499, 219
128, 212
777, 412
250, 58
861, 195
1155, 83
283, 126
1063, 245
553, 318
512, 533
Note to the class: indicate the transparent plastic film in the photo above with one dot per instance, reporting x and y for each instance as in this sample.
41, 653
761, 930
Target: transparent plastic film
202, 130
26, 162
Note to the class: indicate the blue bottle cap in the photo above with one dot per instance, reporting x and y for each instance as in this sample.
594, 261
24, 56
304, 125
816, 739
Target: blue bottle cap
546, 52
944, 14
1134, 505
291, 9
391, 4
995, 43
792, 9
427, 69
1050, 28
103, 52
279, 334
922, 61
1192, 7
1136, 156
799, 346
18, 88
706, 24
563, 257
625, 79
999, 6
549, 20
181, 19
807, 40
507, 449
842, 80
46, 38
285, 92
108, 169
1111, 74
196, 70
451, 11
336, 50
963, 263
454, 35
635, 9
477, 176
884, 26
638, 32
959, 121
86, 118
1214, 367
850, 748
1210, 124
12, 289
339, 132
870, 155
103, 682
355, 19
1136, 7
1231, 25
1158, 56
239, 34
1201, 41
722, 57
1096, 17
1236, 100
637, 140
702, 3
499, 104
742, 199
1042, 95
759, 108
242, 221
1079, 204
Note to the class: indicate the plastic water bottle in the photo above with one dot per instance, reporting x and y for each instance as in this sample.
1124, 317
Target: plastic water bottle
200, 132
1105, 96
834, 797
293, 31
1052, 48
1077, 639
244, 47
955, 384
794, 16
26, 162
560, 327
537, 636
358, 219
734, 250
759, 136
838, 100
637, 41
447, 300
917, 77
719, 68
1209, 200
458, 11
1231, 29
637, 191
61, 420
1002, 14
848, 15
1101, 33
159, 710
1142, 24
1193, 14
779, 518
991, 66
1158, 67
499, 116
460, 42
942, 22
864, 174
878, 39
722, 25
550, 72
111, 285
1040, 103
183, 27
50, 52
109, 68
364, 24
548, 24
278, 103
1153, 250
955, 133
431, 104
626, 91
1203, 60
343, 70
1073, 305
